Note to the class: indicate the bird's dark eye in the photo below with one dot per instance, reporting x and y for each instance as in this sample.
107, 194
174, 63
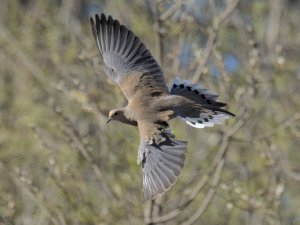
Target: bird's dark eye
116, 114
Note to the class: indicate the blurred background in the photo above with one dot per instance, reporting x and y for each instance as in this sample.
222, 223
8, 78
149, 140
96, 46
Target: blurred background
60, 163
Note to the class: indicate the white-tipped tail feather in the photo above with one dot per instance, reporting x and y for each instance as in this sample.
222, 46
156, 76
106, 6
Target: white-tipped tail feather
206, 119
211, 112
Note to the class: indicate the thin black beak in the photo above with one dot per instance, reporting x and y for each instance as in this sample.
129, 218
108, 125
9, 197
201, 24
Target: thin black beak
108, 120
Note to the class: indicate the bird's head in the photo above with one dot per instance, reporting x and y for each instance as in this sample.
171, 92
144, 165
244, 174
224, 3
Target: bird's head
116, 114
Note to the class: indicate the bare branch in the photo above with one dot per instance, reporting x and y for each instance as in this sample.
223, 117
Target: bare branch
168, 13
72, 133
208, 198
285, 125
218, 22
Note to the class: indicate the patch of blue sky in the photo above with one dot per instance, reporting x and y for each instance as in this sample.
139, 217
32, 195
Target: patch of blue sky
231, 64
90, 9
186, 54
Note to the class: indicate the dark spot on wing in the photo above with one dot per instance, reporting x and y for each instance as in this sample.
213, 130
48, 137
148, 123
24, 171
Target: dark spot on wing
189, 88
144, 159
210, 117
193, 123
209, 102
181, 86
163, 124
175, 85
156, 93
196, 92
199, 121
203, 96
205, 119
163, 109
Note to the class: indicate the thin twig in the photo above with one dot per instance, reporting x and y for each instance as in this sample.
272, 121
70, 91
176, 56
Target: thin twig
168, 13
73, 135
218, 22
287, 124
290, 122
159, 35
208, 198
14, 45
207, 52
285, 165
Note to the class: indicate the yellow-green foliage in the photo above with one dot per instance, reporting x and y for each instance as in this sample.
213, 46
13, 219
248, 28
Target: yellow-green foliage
60, 163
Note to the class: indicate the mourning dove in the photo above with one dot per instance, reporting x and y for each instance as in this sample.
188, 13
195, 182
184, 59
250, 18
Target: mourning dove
151, 104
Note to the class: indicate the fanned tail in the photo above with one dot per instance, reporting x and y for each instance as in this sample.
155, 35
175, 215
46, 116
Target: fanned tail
210, 111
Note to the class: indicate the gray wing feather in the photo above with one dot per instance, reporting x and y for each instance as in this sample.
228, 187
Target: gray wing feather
123, 52
162, 164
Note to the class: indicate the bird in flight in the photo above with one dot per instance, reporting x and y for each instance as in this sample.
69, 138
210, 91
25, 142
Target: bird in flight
151, 104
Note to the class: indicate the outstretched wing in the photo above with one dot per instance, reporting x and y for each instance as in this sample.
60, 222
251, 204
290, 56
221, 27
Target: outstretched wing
127, 60
162, 160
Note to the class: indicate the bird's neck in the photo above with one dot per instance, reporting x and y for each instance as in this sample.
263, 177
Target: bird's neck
128, 117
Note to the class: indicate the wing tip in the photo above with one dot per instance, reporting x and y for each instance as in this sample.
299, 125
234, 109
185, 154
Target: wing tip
148, 197
102, 18
97, 18
92, 20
